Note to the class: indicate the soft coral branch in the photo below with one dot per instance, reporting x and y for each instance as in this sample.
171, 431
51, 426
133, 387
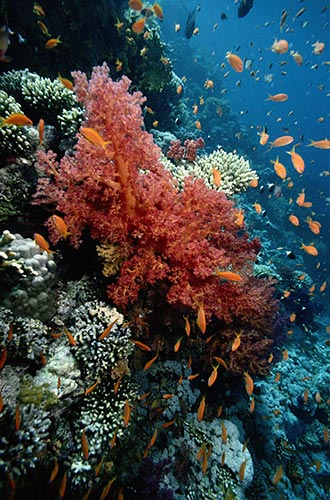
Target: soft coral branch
123, 196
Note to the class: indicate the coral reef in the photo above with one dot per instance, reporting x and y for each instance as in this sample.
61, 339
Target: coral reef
130, 200
13, 140
186, 151
235, 172
32, 293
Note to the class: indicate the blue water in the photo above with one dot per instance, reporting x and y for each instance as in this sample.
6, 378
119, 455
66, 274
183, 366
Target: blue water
305, 115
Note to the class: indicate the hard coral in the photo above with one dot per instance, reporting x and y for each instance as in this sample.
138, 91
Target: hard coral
122, 194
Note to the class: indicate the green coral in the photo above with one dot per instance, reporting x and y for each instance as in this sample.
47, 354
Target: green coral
13, 140
39, 395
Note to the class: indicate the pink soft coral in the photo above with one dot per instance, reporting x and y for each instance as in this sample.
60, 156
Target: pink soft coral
123, 195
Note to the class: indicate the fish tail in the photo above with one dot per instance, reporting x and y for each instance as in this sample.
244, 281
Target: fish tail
310, 144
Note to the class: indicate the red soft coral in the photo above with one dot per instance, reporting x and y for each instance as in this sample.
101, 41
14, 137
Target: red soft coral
122, 194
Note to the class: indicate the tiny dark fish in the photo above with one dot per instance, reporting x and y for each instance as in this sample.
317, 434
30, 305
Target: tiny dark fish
244, 7
190, 24
271, 187
223, 16
290, 255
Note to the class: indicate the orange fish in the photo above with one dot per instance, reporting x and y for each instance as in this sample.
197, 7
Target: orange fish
208, 84
201, 409
298, 59
318, 47
278, 475
41, 129
301, 199
286, 294
43, 28
254, 183
249, 385
60, 225
153, 439
322, 144
237, 342
241, 472
239, 218
198, 125
193, 376
119, 65
141, 345
310, 249
18, 418
284, 140
263, 137
235, 62
187, 326
277, 97
139, 25
292, 317
229, 275
3, 358
61, 491
201, 320
224, 433
91, 388
285, 355
54, 472
98, 467
84, 444
252, 405
294, 220
297, 161
117, 384
18, 119
113, 439
127, 413
42, 243
280, 46
277, 377
106, 332
168, 424
149, 363
257, 207
313, 225
43, 359
158, 11
323, 287
213, 376
318, 398
216, 177
195, 109
168, 396
92, 136
177, 345
326, 435
71, 339
221, 361
66, 82
53, 42
38, 10
179, 89
279, 168
135, 4
106, 488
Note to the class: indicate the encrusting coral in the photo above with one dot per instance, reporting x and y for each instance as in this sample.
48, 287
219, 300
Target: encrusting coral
116, 187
